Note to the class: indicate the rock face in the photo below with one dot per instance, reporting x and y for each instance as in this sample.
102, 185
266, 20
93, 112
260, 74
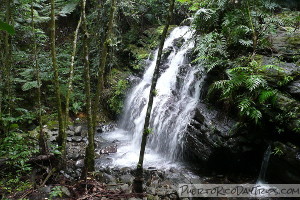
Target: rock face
284, 164
211, 142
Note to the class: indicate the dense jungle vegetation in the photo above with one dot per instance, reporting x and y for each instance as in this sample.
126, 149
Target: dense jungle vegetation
66, 62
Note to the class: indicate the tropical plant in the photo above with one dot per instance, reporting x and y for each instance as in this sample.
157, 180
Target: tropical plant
247, 89
211, 51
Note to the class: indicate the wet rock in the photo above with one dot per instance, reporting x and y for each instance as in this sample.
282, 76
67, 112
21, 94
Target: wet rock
294, 88
71, 128
187, 22
77, 139
133, 80
151, 190
127, 178
106, 178
103, 128
165, 54
109, 149
70, 133
160, 192
284, 165
78, 130
174, 170
125, 188
80, 163
212, 141
177, 43
125, 170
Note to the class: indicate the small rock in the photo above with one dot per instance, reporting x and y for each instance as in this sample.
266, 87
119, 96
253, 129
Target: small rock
127, 178
174, 170
66, 191
77, 138
71, 128
46, 189
160, 192
70, 133
69, 139
125, 188
79, 163
151, 190
108, 178
78, 130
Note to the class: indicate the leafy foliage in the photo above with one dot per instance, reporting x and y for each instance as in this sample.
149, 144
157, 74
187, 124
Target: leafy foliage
116, 101
247, 89
211, 51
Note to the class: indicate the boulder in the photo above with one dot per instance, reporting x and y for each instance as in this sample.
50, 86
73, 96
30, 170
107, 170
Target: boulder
294, 88
78, 130
284, 164
211, 141
127, 178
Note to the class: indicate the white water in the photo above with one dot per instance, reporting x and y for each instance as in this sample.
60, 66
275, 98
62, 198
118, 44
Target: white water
264, 166
178, 94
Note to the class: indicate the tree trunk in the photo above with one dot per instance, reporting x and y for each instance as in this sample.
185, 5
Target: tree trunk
101, 70
71, 76
7, 63
62, 138
89, 162
42, 141
139, 171
1, 80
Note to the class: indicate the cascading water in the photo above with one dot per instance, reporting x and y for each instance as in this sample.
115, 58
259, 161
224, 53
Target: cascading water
178, 92
264, 166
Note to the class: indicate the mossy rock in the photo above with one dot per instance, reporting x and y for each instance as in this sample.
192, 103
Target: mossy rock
294, 40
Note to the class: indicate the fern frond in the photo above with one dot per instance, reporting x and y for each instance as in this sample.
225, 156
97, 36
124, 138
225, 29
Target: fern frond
244, 104
266, 95
274, 67
255, 81
246, 43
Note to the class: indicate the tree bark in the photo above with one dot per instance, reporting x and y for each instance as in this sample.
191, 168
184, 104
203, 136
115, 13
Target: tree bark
62, 138
1, 79
101, 70
89, 152
147, 129
42, 141
7, 61
71, 76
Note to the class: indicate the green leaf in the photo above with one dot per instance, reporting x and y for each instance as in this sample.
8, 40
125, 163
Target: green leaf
6, 27
29, 85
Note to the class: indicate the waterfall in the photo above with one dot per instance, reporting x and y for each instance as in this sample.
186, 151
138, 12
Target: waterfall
264, 166
178, 91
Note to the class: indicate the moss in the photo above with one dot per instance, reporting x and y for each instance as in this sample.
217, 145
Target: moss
259, 59
294, 40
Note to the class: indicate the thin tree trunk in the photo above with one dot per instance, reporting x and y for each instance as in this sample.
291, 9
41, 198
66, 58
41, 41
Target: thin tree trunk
147, 129
42, 141
1, 79
101, 70
71, 77
89, 162
7, 62
62, 139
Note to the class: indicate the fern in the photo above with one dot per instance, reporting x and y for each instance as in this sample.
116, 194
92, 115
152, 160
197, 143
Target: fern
266, 95
244, 104
29, 85
255, 81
